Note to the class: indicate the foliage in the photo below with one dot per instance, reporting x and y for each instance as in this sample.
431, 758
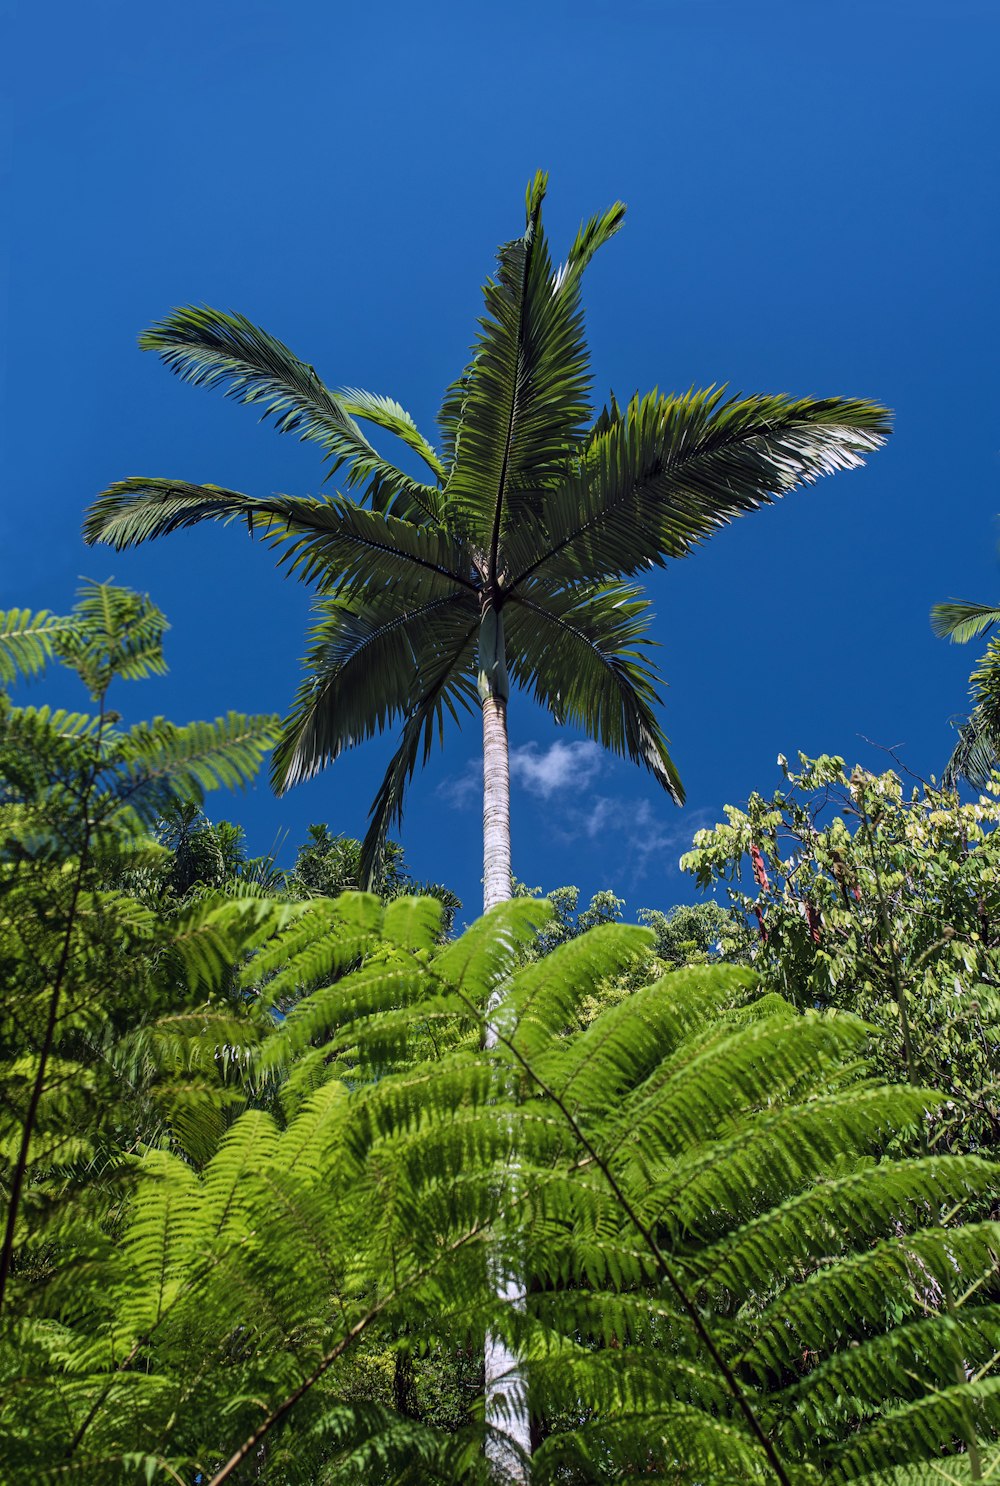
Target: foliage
977, 753
566, 919
886, 902
727, 1280
726, 1276
331, 865
513, 558
86, 966
695, 934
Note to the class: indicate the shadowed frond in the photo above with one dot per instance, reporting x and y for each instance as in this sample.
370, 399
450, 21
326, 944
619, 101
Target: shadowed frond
451, 687
214, 349
332, 542
582, 651
367, 667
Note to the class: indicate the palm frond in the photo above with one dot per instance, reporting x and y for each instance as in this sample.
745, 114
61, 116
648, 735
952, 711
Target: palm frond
333, 542
525, 397
386, 413
960, 621
582, 651
592, 236
976, 755
365, 668
451, 687
211, 348
675, 469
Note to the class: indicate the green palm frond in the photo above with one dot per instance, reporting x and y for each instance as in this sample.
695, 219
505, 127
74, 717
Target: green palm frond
526, 396
961, 622
450, 686
365, 669
211, 348
386, 413
582, 650
675, 469
333, 542
976, 754
592, 236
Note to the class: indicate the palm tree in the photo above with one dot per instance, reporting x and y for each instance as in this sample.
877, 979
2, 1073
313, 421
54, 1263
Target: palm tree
512, 557
976, 754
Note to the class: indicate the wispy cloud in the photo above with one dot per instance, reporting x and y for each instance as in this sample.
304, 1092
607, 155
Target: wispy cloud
462, 789
544, 771
636, 837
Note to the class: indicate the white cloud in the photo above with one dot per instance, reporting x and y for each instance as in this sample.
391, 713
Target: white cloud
560, 766
636, 836
463, 788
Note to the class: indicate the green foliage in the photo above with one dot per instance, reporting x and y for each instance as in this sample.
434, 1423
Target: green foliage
695, 934
89, 969
977, 753
330, 865
727, 1278
26, 642
509, 564
890, 908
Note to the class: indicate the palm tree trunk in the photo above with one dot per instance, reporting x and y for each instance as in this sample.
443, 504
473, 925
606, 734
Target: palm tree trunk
506, 1402
496, 803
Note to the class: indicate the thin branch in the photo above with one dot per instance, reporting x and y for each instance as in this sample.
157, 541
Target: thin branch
664, 1266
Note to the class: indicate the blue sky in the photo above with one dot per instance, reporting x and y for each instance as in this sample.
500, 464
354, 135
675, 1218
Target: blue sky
812, 209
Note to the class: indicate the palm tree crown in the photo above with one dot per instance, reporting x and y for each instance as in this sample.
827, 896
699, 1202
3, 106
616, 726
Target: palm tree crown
976, 755
516, 555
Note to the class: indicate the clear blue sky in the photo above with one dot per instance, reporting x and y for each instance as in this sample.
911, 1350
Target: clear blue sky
812, 209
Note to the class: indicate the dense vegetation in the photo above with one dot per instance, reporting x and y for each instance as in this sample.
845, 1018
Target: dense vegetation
262, 1173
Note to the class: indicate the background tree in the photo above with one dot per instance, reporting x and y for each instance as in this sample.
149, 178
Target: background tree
977, 752
512, 559
78, 795
855, 894
332, 864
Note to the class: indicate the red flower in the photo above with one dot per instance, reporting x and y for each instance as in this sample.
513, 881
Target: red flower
813, 920
759, 870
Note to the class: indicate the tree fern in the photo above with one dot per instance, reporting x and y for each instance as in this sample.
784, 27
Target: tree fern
740, 1266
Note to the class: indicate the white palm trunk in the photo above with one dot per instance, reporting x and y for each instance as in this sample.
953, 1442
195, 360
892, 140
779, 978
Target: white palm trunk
496, 803
506, 1402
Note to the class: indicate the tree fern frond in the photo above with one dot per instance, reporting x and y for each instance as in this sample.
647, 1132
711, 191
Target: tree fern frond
26, 642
